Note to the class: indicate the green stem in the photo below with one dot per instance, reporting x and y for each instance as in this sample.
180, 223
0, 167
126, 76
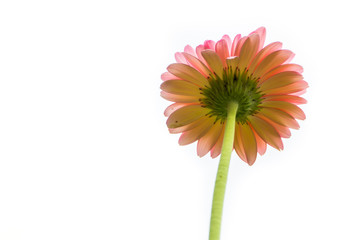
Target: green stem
221, 177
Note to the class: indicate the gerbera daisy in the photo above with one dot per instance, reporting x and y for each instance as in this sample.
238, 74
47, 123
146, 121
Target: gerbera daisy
233, 95
259, 79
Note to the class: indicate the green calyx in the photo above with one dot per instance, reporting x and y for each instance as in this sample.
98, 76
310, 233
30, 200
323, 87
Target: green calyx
233, 86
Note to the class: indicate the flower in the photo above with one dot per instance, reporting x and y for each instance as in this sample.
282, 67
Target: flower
260, 79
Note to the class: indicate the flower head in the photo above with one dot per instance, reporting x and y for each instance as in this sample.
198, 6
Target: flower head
259, 79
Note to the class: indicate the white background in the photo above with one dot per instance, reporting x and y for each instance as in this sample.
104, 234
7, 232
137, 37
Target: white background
84, 148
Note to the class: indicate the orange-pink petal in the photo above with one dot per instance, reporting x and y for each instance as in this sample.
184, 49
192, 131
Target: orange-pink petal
299, 93
214, 62
188, 126
232, 62
260, 144
280, 117
197, 132
249, 143
186, 115
239, 45
181, 87
216, 150
179, 98
188, 73
207, 142
287, 107
280, 80
283, 131
283, 68
271, 61
287, 98
249, 50
197, 64
173, 107
238, 144
266, 131
289, 89
272, 47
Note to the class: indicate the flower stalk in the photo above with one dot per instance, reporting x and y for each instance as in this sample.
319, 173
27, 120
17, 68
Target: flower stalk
221, 177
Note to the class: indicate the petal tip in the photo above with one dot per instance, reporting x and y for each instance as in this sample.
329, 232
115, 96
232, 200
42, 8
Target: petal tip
251, 163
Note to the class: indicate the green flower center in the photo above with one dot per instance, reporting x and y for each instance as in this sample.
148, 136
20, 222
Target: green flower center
233, 85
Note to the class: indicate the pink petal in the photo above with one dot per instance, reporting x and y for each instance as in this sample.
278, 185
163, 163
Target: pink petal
272, 47
266, 131
186, 115
180, 58
222, 50
234, 44
209, 44
188, 73
228, 41
207, 142
287, 107
213, 61
189, 50
199, 49
271, 61
262, 34
181, 87
168, 76
179, 98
